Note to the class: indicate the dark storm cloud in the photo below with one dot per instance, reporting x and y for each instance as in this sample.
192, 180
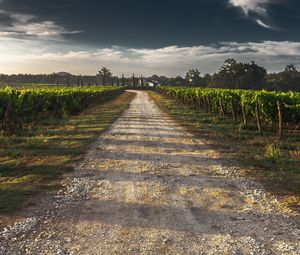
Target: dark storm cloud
163, 37
136, 23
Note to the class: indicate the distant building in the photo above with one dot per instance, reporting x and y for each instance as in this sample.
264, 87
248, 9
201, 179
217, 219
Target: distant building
150, 84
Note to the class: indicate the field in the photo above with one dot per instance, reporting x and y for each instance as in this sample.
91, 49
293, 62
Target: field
281, 109
268, 149
23, 106
41, 145
175, 171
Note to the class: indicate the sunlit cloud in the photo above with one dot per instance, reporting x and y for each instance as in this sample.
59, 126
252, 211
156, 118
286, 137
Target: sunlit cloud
254, 9
32, 57
257, 6
29, 26
263, 24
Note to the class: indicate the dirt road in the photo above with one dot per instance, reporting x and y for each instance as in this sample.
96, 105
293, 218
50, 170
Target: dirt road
149, 187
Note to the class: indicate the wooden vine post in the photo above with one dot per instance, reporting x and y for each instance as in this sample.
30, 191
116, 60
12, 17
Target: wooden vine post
59, 112
258, 120
209, 105
23, 109
7, 115
279, 108
205, 105
233, 111
244, 114
198, 104
222, 111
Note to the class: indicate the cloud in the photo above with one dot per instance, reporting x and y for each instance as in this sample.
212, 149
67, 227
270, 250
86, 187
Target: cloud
257, 6
21, 18
112, 55
261, 23
26, 26
19, 56
254, 9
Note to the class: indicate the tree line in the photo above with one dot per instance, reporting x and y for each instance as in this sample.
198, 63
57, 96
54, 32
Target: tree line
231, 75
103, 77
238, 75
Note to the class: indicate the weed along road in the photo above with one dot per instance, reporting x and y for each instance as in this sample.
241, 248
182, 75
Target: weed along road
148, 186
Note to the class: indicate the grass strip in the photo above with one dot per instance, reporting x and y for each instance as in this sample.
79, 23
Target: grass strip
32, 161
272, 161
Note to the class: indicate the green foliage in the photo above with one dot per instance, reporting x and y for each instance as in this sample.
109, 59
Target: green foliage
236, 75
105, 74
18, 106
193, 76
272, 151
209, 100
266, 158
31, 162
289, 79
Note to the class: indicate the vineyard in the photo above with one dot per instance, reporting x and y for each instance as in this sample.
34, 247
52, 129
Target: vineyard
265, 108
19, 106
118, 166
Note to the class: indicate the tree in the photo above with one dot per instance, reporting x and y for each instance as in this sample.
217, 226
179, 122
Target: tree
288, 79
104, 74
177, 81
228, 65
112, 80
123, 80
238, 75
68, 81
290, 68
193, 77
133, 80
78, 80
206, 79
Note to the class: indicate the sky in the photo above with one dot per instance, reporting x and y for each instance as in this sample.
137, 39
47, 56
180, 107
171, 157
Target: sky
163, 37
